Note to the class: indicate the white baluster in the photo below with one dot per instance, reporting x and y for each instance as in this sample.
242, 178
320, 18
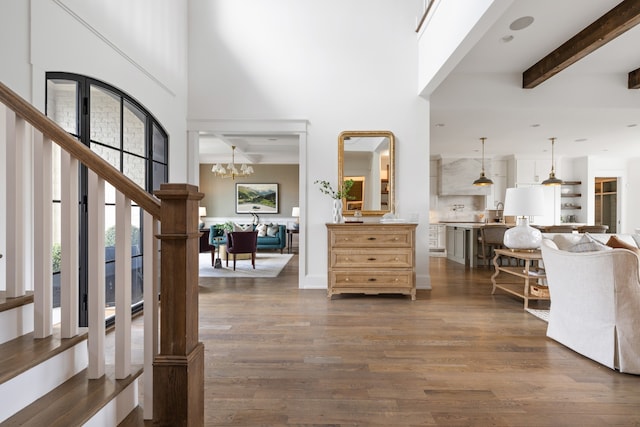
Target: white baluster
96, 275
69, 243
42, 230
150, 295
123, 286
16, 138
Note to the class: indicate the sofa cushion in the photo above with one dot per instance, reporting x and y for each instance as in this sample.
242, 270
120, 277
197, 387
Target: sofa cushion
261, 229
242, 227
564, 241
614, 242
588, 244
272, 230
269, 241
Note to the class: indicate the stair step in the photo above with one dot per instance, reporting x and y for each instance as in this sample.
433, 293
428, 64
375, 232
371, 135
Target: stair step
136, 419
74, 402
11, 303
16, 316
25, 352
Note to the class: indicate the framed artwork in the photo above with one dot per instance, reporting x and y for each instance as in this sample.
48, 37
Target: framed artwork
258, 198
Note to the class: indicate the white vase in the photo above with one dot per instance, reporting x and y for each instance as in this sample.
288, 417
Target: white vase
336, 211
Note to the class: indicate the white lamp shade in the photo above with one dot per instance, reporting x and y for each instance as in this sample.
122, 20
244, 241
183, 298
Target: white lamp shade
202, 211
524, 201
295, 211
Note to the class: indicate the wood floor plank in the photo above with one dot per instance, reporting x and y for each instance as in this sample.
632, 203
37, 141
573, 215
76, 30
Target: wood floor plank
278, 355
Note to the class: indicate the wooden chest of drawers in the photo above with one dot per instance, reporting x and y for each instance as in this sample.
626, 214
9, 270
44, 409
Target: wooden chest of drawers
371, 259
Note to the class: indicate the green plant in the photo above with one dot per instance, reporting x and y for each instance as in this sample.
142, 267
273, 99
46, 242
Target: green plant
342, 193
221, 228
110, 236
56, 253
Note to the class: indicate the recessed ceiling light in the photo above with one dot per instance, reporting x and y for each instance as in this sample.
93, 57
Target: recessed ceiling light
535, 125
581, 140
439, 125
521, 23
632, 125
507, 39
272, 139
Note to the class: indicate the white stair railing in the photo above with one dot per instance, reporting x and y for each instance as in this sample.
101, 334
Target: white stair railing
32, 208
177, 366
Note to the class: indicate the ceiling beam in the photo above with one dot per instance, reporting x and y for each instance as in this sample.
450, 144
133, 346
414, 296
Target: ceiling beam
621, 18
634, 79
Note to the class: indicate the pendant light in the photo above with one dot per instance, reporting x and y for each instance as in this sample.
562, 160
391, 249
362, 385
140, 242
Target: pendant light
483, 180
552, 180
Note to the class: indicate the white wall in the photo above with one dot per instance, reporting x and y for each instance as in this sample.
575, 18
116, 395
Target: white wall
139, 47
442, 45
341, 65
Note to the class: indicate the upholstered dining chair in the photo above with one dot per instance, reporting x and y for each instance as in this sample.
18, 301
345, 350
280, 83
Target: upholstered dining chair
491, 237
242, 242
593, 229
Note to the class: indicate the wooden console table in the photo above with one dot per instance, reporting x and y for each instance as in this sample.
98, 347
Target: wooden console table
521, 289
371, 258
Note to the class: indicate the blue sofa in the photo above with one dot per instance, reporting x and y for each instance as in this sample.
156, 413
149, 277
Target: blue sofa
279, 241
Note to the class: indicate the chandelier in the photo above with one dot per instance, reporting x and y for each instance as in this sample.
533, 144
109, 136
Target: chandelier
231, 171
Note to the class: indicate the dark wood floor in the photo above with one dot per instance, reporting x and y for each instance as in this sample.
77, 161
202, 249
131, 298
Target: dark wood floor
280, 356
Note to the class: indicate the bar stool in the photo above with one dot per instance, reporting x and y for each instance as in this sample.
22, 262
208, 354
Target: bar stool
491, 237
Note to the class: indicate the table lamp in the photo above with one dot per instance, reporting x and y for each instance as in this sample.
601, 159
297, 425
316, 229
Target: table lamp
202, 212
523, 202
295, 212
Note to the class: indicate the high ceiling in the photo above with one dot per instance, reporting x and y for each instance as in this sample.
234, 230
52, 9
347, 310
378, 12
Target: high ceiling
586, 106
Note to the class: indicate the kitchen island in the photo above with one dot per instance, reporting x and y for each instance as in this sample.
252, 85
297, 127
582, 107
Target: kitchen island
462, 242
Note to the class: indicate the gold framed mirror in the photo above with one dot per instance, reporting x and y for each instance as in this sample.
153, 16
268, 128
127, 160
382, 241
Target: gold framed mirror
368, 158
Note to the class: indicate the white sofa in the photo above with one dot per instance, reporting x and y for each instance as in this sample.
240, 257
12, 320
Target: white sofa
595, 302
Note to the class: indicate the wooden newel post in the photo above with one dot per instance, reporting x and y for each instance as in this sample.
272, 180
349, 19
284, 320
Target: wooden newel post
178, 371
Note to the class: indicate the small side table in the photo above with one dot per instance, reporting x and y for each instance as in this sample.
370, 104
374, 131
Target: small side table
290, 233
217, 262
519, 287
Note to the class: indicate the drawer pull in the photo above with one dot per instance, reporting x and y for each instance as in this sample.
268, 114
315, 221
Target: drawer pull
371, 259
372, 279
396, 259
371, 238
346, 279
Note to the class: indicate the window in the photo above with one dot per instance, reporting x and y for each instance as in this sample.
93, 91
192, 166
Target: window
121, 131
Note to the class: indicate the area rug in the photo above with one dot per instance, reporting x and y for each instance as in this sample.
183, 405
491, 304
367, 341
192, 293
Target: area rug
540, 314
268, 264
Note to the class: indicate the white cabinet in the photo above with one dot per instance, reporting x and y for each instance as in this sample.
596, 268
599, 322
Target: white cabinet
456, 244
527, 171
499, 187
437, 240
531, 172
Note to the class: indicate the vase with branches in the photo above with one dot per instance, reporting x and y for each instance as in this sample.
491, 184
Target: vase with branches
337, 195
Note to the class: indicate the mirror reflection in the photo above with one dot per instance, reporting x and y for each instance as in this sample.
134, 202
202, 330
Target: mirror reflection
367, 158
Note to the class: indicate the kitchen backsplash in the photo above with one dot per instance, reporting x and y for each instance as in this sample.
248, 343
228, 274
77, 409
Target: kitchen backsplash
458, 208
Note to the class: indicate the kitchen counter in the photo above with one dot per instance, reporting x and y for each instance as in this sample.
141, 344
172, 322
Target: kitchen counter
462, 241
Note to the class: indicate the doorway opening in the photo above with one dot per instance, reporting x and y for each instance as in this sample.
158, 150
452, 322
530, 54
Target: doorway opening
606, 202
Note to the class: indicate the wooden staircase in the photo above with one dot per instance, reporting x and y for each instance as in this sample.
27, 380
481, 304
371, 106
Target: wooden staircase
57, 374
